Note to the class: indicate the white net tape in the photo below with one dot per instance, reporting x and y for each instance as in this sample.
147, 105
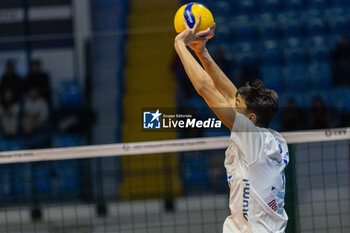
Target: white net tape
166, 146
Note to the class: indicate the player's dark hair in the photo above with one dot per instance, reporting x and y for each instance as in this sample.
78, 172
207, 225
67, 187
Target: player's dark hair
261, 101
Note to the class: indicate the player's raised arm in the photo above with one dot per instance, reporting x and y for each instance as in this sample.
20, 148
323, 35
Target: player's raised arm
221, 81
200, 79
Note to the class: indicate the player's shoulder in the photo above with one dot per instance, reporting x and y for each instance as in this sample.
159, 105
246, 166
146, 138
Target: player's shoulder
277, 136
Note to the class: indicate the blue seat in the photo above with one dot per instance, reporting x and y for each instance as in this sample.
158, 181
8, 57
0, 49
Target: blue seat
194, 171
318, 49
213, 45
315, 26
270, 52
246, 6
11, 144
5, 179
70, 93
242, 27
41, 173
338, 24
67, 140
272, 77
297, 95
68, 175
271, 5
268, 26
339, 2
295, 77
245, 53
294, 51
333, 40
337, 19
291, 23
222, 31
21, 188
313, 13
222, 8
294, 4
295, 56
339, 97
317, 3
320, 75
336, 11
314, 22
293, 43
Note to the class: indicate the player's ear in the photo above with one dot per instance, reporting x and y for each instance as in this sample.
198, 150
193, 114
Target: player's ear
252, 117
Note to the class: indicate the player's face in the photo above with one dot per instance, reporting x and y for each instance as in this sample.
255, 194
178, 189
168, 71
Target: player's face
241, 106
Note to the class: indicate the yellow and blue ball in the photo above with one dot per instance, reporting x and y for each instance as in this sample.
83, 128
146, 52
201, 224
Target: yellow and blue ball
190, 13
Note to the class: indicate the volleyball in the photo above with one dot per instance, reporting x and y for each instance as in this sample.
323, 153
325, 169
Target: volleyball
190, 12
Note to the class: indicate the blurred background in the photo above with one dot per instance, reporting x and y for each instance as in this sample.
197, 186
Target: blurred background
89, 67
79, 72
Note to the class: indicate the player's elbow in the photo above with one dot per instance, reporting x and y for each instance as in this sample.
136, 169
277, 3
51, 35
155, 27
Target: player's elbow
204, 87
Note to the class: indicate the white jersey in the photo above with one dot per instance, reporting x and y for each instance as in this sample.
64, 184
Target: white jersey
255, 162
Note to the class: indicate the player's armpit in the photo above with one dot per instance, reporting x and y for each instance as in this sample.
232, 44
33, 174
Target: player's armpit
221, 107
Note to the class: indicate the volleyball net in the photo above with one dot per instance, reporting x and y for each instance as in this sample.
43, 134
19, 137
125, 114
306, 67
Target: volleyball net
165, 186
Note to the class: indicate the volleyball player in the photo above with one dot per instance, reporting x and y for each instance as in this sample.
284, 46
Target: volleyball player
257, 156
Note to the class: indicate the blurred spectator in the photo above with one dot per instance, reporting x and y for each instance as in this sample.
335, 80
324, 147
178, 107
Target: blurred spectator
36, 112
292, 117
36, 79
340, 61
9, 110
10, 81
319, 115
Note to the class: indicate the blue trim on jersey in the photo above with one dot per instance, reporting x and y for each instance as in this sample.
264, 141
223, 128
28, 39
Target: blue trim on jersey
279, 145
188, 15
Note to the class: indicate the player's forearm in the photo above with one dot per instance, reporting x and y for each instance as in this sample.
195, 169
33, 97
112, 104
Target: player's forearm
205, 86
199, 78
221, 81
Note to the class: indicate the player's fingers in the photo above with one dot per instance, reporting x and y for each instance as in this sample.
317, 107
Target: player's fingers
212, 31
193, 44
203, 33
202, 39
185, 24
197, 23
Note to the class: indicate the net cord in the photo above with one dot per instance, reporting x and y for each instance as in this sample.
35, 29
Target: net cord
165, 146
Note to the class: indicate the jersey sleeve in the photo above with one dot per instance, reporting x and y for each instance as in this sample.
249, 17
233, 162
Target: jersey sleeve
248, 138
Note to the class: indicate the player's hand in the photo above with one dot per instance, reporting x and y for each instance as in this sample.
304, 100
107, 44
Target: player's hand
189, 35
199, 46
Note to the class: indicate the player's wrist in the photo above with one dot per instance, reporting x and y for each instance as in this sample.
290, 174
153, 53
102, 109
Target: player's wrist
179, 42
204, 54
202, 51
